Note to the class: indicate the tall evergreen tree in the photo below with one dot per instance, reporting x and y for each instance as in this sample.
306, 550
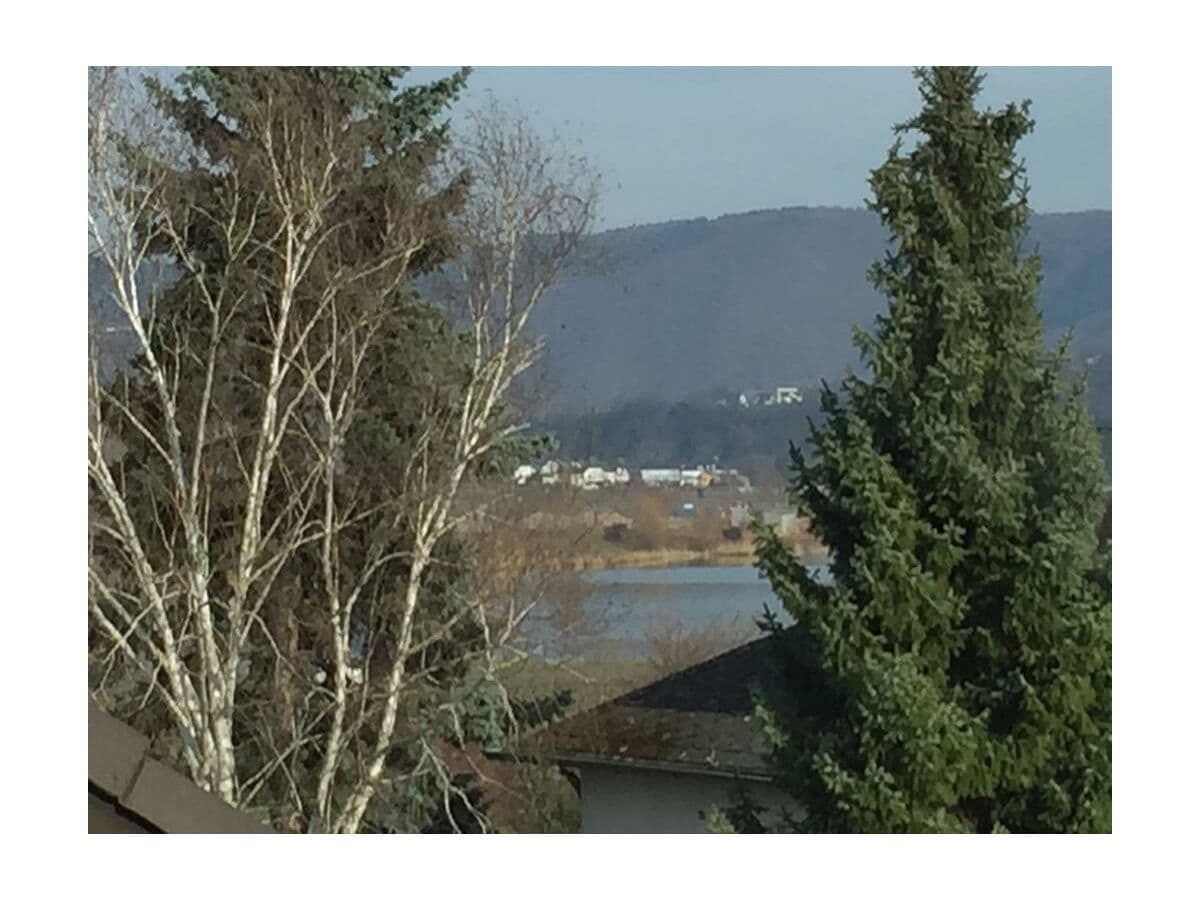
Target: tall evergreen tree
959, 674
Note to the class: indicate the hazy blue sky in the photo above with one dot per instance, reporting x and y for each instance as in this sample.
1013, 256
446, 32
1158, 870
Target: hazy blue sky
683, 143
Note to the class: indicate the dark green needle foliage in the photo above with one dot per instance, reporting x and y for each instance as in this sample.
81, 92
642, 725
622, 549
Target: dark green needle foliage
961, 673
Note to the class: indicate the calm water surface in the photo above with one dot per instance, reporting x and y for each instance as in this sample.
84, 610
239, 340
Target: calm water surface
610, 611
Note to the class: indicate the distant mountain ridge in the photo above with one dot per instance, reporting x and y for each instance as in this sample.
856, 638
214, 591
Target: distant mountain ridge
764, 298
681, 309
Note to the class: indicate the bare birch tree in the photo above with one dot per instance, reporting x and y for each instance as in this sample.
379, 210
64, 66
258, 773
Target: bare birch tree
274, 488
530, 207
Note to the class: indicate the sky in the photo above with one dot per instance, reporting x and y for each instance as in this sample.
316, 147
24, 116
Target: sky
704, 142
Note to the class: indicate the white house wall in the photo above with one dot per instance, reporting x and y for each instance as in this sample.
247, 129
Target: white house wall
637, 801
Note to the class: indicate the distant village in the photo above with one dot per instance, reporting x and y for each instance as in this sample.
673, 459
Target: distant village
730, 505
591, 477
779, 396
733, 503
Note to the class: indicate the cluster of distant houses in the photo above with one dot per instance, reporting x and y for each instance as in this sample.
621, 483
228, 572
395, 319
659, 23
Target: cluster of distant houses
779, 396
554, 472
699, 477
572, 474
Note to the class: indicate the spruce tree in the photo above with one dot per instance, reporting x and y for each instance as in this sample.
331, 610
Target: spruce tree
958, 674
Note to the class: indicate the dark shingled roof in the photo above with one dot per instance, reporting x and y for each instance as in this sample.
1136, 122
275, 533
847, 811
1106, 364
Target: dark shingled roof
130, 792
698, 720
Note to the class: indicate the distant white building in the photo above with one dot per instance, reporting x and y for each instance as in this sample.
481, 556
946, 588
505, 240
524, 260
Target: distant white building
699, 477
661, 477
593, 477
785, 396
780, 396
598, 475
573, 474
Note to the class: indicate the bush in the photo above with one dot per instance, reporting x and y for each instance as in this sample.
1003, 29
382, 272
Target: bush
615, 534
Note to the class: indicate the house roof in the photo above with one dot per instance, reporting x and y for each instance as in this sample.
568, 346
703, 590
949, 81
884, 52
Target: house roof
696, 720
130, 792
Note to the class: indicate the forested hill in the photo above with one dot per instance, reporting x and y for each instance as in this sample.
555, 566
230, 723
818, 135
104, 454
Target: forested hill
678, 309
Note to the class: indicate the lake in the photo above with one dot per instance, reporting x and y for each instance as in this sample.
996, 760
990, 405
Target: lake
611, 612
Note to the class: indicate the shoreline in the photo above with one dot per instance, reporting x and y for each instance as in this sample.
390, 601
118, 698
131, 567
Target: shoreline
648, 559
741, 555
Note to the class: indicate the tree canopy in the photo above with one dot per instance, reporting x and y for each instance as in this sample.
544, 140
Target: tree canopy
277, 589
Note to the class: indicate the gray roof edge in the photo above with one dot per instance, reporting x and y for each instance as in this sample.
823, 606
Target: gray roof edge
629, 762
177, 805
120, 768
116, 752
